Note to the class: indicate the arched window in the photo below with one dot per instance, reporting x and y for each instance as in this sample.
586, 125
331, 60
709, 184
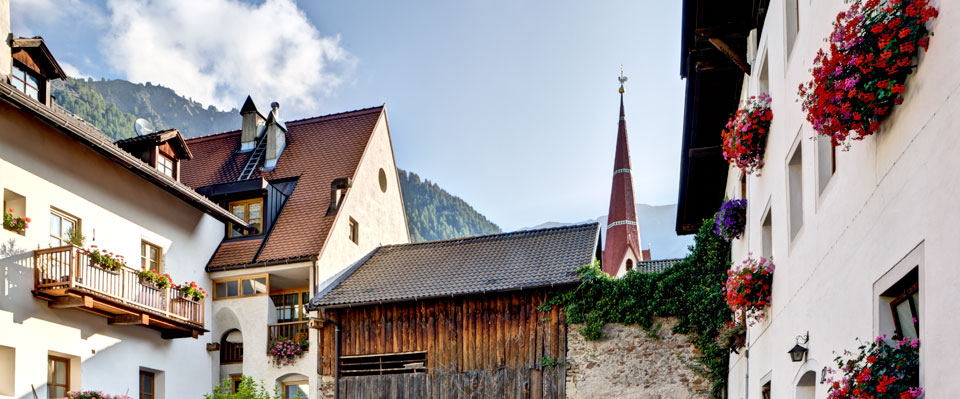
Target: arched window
806, 386
629, 264
231, 347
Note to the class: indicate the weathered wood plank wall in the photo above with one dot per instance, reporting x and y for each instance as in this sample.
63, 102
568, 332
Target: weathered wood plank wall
477, 346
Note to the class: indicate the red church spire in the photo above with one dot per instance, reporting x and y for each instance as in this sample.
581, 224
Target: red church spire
622, 249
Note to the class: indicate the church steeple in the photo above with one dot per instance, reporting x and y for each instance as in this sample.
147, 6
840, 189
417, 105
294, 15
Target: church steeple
622, 249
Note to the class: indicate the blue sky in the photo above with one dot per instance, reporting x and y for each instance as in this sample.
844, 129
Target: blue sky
511, 105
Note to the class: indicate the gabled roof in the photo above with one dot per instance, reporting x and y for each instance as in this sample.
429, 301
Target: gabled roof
492, 263
39, 53
156, 138
318, 150
655, 266
88, 135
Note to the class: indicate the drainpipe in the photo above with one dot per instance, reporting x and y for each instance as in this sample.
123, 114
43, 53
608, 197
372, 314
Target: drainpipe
336, 353
746, 355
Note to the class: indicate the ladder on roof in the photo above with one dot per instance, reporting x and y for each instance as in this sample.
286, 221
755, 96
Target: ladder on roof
254, 161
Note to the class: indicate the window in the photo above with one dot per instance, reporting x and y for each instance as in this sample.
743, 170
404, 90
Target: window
766, 235
149, 256
250, 211
354, 231
296, 390
629, 264
166, 166
231, 347
388, 363
26, 82
765, 391
60, 226
806, 386
795, 177
16, 205
743, 185
236, 382
826, 162
792, 24
58, 377
904, 297
763, 80
241, 286
8, 361
291, 304
147, 384
382, 176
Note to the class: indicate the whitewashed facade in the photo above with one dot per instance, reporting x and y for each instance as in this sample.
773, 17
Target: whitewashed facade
841, 238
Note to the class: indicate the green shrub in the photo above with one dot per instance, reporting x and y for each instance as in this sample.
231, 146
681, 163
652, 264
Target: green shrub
248, 389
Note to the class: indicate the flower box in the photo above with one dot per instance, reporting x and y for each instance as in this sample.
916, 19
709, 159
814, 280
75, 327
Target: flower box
17, 225
745, 136
862, 75
878, 370
187, 299
748, 288
113, 271
149, 284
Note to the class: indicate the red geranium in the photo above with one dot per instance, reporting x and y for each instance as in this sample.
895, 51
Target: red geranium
747, 290
860, 77
745, 135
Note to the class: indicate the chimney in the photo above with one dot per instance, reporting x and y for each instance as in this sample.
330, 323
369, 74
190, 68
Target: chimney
276, 137
338, 189
6, 58
252, 127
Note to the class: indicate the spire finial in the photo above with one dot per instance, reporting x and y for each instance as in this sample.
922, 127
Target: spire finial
622, 79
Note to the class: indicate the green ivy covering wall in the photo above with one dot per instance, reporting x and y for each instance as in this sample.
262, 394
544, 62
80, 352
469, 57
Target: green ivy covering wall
691, 291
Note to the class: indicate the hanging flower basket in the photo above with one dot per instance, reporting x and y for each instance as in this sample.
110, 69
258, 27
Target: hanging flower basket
731, 219
862, 75
733, 336
745, 136
747, 290
878, 371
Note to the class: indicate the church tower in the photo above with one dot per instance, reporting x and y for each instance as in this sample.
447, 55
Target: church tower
622, 250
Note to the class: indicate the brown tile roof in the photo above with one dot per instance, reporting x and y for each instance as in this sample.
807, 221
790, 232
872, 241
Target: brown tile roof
499, 262
318, 151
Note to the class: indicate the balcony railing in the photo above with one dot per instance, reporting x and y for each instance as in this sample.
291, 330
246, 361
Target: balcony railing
295, 331
65, 272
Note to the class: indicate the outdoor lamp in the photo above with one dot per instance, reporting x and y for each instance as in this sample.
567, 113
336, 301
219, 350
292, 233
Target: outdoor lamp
798, 351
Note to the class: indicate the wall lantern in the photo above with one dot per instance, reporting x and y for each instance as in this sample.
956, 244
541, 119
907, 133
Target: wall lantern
799, 352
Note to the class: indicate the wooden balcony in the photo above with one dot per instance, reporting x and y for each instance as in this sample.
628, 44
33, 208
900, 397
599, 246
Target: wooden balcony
67, 278
296, 331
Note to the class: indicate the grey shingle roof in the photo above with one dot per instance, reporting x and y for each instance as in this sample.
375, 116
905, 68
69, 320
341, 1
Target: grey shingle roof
655, 266
499, 262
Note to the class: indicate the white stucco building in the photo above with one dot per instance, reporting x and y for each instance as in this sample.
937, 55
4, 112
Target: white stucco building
849, 231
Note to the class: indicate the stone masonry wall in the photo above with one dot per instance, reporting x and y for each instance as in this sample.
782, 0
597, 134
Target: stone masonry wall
629, 363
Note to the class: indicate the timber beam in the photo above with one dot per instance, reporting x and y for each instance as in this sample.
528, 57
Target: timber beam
130, 320
66, 302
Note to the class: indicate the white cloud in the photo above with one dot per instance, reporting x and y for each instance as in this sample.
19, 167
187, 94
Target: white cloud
72, 71
218, 51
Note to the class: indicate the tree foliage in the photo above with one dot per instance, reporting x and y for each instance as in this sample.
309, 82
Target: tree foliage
248, 389
435, 214
691, 291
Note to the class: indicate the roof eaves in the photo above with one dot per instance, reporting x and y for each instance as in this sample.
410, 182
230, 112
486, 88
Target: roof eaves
343, 304
333, 282
99, 142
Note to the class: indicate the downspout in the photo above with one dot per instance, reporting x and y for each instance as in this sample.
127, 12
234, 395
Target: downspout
746, 355
336, 353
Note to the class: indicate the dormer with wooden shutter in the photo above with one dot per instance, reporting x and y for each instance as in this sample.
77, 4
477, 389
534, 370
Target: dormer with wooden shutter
162, 150
33, 68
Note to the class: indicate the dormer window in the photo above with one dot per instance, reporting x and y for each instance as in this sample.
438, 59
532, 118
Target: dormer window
166, 165
26, 82
251, 211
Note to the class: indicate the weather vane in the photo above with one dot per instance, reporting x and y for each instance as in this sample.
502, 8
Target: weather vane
622, 79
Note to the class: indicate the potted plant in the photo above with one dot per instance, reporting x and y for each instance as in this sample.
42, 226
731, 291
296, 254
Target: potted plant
733, 336
745, 136
879, 371
862, 75
747, 290
192, 292
17, 225
731, 219
285, 351
108, 261
152, 279
75, 237
94, 395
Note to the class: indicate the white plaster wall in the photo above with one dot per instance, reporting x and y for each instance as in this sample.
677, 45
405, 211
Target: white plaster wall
117, 210
380, 215
893, 192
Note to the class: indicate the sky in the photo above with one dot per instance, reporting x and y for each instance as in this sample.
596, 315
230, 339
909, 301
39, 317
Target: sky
510, 105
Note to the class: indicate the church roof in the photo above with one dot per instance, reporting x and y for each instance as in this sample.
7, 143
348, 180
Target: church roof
622, 232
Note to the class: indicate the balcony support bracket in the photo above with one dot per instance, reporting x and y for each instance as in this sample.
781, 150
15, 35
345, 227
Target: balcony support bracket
71, 302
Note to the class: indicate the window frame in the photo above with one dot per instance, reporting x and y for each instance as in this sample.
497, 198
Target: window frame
246, 216
14, 80
285, 384
301, 304
64, 240
906, 295
153, 385
236, 379
50, 371
239, 280
166, 163
143, 257
354, 234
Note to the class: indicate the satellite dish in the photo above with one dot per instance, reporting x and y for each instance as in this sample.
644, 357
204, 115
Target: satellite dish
144, 127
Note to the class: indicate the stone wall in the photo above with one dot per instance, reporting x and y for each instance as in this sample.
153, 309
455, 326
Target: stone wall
629, 363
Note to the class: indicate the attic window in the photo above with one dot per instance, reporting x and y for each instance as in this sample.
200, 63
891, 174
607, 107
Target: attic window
26, 82
354, 231
251, 211
166, 166
388, 363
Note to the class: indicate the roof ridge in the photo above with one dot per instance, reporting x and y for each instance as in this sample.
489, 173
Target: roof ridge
495, 235
211, 136
338, 115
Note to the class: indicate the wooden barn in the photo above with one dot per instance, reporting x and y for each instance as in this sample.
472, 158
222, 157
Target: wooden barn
453, 318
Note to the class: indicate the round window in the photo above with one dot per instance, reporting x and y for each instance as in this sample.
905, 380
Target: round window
383, 180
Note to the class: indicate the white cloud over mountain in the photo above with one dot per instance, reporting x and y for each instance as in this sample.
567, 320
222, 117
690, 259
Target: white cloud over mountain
218, 51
